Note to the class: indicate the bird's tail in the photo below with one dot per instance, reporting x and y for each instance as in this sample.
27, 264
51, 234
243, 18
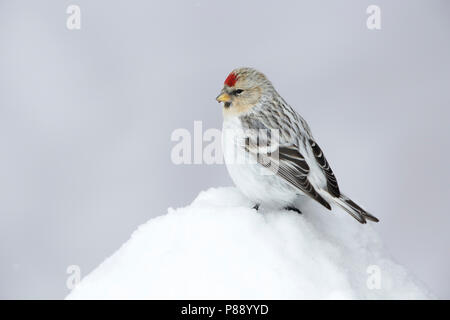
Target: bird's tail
354, 210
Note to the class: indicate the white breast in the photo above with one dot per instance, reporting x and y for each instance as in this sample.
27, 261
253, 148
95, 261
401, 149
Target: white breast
256, 182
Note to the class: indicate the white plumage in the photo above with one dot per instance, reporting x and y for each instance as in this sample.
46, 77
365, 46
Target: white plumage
269, 149
256, 182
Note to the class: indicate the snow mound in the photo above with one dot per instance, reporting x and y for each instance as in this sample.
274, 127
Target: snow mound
220, 248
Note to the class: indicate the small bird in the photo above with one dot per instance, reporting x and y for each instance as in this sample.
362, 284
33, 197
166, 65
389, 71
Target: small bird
282, 159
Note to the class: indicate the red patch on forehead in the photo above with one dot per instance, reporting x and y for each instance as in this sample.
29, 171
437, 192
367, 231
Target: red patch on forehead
231, 79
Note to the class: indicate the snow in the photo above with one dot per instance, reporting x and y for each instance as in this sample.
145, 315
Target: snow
220, 248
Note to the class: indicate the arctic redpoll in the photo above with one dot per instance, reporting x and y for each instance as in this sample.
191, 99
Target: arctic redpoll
287, 163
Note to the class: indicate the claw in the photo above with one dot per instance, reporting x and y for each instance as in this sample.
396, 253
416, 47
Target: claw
293, 209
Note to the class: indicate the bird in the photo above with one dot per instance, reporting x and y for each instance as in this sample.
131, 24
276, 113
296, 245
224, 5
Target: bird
270, 152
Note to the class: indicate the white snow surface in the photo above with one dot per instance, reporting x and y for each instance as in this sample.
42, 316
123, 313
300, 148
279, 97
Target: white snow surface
220, 248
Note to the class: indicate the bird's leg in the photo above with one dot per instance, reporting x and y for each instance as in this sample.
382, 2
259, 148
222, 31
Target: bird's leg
293, 209
256, 207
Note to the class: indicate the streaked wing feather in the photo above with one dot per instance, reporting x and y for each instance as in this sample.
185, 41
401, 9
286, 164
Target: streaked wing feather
332, 184
292, 167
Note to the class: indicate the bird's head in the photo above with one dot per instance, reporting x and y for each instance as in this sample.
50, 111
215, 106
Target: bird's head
242, 90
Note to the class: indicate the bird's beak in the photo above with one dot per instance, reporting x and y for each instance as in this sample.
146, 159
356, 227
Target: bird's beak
223, 97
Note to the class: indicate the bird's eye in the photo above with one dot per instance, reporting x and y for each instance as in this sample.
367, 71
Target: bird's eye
237, 92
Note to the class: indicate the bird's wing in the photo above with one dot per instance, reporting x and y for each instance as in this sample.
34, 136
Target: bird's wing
332, 184
292, 135
288, 163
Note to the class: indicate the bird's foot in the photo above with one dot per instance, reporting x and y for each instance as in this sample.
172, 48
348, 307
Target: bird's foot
293, 209
256, 207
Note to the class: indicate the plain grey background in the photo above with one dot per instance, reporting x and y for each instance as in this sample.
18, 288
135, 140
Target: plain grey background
86, 118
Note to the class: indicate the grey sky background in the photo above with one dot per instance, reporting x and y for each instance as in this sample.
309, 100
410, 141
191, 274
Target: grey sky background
86, 118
